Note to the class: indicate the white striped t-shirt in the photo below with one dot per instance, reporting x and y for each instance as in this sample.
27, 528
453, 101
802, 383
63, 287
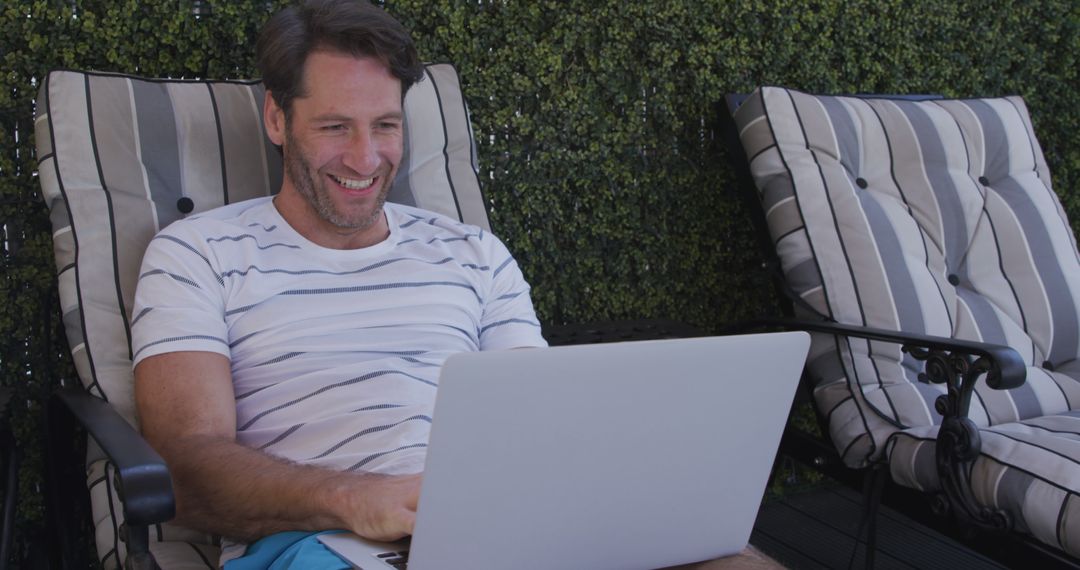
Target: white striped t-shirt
335, 353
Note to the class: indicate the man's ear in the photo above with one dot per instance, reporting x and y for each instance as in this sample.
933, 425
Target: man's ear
274, 119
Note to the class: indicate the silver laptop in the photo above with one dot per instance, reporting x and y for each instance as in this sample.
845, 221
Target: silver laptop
627, 455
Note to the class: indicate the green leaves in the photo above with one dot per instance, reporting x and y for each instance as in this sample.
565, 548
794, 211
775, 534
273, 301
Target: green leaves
595, 123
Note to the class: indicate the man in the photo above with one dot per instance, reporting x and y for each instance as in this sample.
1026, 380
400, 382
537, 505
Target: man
287, 350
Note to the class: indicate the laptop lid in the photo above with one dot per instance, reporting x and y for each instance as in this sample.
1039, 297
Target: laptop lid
625, 455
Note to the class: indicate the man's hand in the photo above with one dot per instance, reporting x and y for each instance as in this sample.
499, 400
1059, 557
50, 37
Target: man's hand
384, 510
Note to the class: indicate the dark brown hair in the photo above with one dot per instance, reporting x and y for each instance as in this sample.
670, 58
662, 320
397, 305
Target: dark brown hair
349, 26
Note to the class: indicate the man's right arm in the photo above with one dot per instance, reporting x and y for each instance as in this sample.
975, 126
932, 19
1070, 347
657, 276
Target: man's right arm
188, 414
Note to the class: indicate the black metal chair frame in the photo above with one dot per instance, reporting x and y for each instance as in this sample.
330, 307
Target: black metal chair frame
9, 460
142, 478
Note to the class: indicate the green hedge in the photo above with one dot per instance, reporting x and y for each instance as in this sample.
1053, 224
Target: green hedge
596, 125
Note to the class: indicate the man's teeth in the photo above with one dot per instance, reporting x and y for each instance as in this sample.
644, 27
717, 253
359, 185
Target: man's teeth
353, 184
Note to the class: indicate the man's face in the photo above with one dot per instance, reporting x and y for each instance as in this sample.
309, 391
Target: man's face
342, 145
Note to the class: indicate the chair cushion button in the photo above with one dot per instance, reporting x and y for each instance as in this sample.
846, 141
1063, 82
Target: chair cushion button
984, 181
185, 205
954, 280
861, 182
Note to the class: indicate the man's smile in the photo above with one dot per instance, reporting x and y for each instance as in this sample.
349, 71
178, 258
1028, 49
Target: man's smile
353, 183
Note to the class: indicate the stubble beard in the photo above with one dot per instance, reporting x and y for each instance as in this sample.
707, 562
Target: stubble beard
299, 171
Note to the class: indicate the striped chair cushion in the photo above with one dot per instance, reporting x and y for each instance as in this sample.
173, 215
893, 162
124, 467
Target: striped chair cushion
121, 157
1027, 469
933, 217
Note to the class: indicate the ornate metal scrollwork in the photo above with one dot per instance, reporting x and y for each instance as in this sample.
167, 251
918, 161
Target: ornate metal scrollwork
958, 442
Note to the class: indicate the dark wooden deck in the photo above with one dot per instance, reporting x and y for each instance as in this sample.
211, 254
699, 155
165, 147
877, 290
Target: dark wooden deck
816, 529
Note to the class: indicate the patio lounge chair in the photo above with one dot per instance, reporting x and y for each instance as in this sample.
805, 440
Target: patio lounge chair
121, 157
932, 218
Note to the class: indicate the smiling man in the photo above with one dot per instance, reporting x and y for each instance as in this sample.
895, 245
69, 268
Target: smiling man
341, 152
287, 350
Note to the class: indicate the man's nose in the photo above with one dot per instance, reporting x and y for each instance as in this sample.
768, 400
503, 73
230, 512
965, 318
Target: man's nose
362, 154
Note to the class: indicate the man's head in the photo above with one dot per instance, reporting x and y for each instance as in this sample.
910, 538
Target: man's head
354, 27
336, 72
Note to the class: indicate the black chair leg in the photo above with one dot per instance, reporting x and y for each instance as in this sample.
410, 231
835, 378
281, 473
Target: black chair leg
11, 479
873, 485
11, 497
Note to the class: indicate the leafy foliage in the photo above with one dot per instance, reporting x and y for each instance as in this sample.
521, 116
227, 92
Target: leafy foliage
596, 123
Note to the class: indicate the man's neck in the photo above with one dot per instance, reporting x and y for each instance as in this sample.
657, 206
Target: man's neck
325, 234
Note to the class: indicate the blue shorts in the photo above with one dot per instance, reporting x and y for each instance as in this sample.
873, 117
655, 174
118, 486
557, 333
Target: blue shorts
292, 550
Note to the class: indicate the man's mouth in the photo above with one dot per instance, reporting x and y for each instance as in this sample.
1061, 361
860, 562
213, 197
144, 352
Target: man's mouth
352, 183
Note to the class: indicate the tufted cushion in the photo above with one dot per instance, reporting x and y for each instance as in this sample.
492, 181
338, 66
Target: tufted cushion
933, 217
121, 157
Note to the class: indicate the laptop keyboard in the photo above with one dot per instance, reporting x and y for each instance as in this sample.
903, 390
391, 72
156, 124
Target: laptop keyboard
396, 559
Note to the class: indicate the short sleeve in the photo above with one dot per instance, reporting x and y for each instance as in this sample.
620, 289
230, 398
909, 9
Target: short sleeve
509, 319
179, 299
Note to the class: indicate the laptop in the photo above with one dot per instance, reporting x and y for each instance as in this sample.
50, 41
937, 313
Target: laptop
643, 454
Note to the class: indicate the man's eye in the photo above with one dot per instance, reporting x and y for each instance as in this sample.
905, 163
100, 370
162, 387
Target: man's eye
389, 126
333, 127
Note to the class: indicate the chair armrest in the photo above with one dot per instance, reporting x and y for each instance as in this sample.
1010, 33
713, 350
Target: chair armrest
1007, 369
145, 483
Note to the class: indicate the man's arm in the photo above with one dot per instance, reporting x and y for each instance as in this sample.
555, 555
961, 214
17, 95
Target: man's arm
188, 413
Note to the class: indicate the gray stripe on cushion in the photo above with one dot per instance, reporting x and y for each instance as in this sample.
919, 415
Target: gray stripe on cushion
42, 131
848, 137
1065, 425
60, 220
1062, 307
903, 295
777, 189
803, 276
1024, 402
241, 125
72, 326
1067, 524
400, 191
784, 220
984, 314
1022, 277
1013, 486
956, 233
158, 139
224, 167
122, 176
200, 147
826, 367
751, 108
925, 465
